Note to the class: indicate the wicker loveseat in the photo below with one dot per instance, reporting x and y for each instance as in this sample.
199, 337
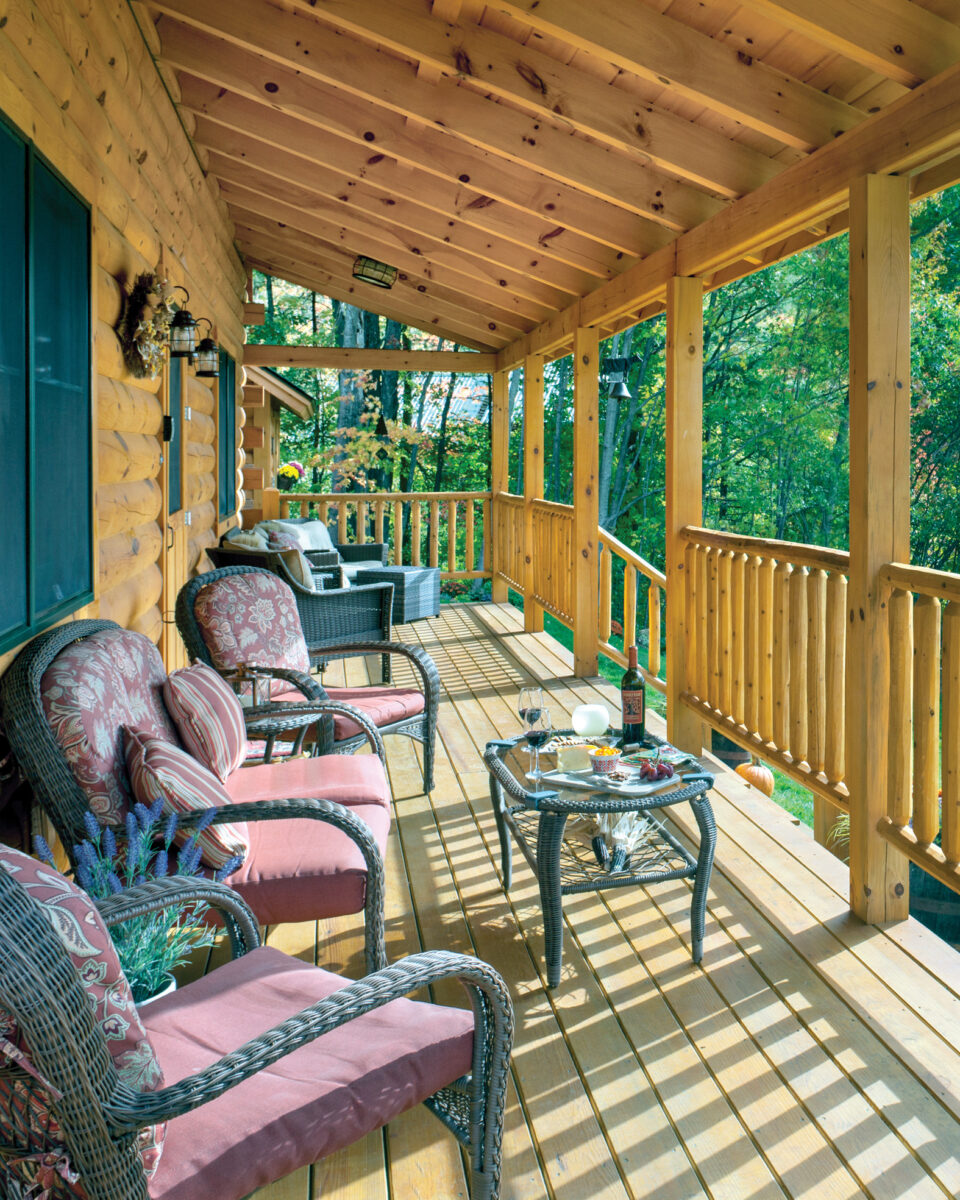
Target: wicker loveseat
261, 1067
317, 827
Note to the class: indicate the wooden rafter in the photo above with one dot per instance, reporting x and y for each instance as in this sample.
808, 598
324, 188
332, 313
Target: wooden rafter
359, 358
661, 48
297, 42
258, 194
384, 133
533, 79
259, 240
895, 37
236, 157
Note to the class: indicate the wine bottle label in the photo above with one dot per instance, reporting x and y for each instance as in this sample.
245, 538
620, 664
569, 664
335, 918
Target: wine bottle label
634, 707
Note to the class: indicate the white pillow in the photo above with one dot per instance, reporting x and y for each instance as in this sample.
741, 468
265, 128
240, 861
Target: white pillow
248, 537
314, 535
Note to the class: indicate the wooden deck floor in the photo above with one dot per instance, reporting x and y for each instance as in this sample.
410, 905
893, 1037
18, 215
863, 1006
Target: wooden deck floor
809, 1057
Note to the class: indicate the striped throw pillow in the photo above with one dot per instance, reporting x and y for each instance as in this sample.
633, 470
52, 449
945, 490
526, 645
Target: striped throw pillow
158, 769
208, 716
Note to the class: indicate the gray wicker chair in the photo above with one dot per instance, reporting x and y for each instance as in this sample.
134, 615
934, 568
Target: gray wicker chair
99, 1116
339, 623
57, 790
325, 575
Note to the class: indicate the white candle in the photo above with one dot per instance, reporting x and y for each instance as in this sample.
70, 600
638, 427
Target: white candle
590, 720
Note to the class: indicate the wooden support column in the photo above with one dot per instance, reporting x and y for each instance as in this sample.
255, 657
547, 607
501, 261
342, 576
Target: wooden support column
586, 500
879, 521
499, 470
684, 496
532, 479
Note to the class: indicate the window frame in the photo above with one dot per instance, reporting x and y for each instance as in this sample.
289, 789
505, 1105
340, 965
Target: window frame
224, 491
36, 621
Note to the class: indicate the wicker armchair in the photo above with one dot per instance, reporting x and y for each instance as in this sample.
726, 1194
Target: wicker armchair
325, 574
338, 865
212, 1042
339, 623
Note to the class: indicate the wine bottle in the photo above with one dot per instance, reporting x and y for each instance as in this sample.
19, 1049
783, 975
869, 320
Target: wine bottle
633, 702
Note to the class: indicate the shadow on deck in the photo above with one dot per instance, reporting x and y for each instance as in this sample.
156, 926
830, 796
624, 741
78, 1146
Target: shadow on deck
810, 1056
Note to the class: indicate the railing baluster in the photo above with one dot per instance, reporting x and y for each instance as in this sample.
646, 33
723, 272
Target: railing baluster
378, 507
926, 718
798, 666
703, 630
398, 533
451, 535
606, 592
487, 560
751, 658
713, 619
737, 630
836, 690
724, 633
323, 510
361, 522
468, 535
653, 612
781, 655
900, 733
341, 521
950, 775
629, 606
816, 679
415, 533
691, 631
434, 532
765, 650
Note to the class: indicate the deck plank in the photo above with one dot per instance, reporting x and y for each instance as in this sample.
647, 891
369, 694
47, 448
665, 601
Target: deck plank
810, 1057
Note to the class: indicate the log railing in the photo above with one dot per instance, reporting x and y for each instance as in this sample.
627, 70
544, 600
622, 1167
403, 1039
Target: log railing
923, 790
449, 530
552, 552
766, 650
635, 570
508, 539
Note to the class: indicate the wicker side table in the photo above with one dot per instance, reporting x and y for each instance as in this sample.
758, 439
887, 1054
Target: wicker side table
537, 822
416, 590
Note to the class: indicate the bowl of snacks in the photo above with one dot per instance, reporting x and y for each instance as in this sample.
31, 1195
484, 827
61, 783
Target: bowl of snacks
604, 760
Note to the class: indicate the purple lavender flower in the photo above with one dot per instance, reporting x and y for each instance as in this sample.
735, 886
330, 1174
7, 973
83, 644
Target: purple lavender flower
91, 825
43, 851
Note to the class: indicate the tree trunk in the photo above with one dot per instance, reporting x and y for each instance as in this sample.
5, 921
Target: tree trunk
271, 310
348, 324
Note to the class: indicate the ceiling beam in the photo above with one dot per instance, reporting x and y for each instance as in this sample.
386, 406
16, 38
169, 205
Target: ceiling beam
271, 198
680, 58
243, 203
897, 38
298, 42
237, 157
281, 249
360, 359
920, 132
542, 84
384, 135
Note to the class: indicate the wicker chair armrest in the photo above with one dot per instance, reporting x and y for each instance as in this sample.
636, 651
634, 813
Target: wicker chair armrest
341, 818
418, 658
365, 552
158, 894
292, 716
129, 1110
322, 558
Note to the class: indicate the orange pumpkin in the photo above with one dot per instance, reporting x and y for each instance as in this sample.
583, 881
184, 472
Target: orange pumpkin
757, 773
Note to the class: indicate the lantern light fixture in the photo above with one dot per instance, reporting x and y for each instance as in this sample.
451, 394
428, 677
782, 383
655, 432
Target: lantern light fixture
183, 330
615, 370
207, 357
370, 270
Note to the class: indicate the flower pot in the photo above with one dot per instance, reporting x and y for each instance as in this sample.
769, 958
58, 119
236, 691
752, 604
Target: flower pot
285, 483
168, 987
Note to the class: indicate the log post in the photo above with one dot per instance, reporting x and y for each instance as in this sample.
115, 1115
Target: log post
271, 503
586, 499
684, 498
499, 470
879, 522
532, 480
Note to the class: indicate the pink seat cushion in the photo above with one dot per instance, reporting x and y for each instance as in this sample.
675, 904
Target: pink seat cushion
318, 1099
346, 778
383, 705
90, 691
303, 870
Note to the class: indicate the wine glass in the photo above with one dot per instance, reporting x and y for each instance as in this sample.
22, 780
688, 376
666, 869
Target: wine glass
529, 705
538, 733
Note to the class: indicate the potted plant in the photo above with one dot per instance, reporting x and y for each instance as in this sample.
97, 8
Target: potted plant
152, 946
289, 474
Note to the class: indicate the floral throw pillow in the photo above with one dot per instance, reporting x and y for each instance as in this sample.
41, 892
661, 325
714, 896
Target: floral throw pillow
208, 716
159, 769
26, 1107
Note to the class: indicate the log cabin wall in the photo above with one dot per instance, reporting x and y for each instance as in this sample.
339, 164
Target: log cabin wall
80, 81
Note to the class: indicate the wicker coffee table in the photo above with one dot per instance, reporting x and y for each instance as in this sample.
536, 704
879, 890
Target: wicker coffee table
564, 864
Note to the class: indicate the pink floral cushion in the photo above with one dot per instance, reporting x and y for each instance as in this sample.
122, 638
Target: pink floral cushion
383, 705
90, 691
209, 717
86, 939
252, 619
159, 769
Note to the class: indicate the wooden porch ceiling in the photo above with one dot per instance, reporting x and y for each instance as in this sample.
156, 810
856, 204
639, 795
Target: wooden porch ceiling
509, 157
